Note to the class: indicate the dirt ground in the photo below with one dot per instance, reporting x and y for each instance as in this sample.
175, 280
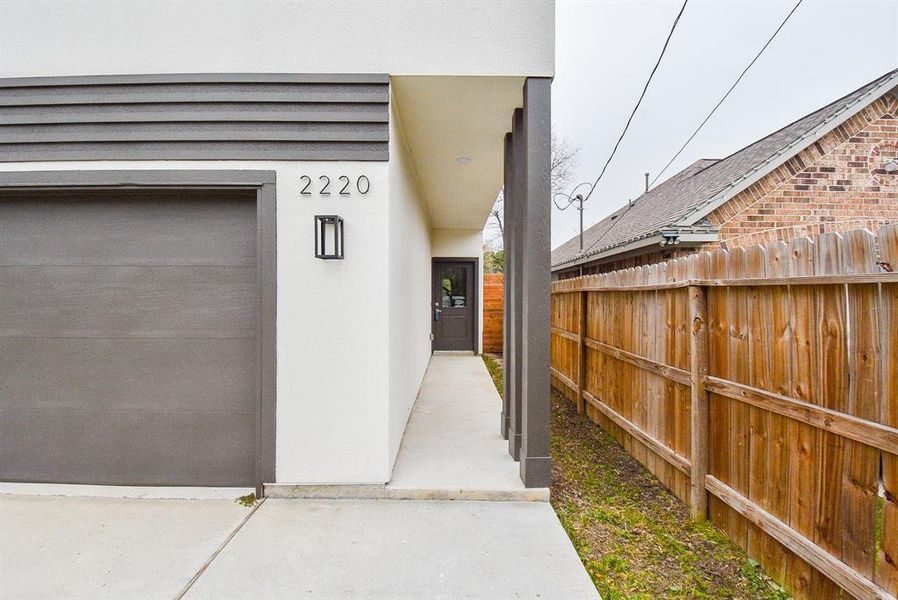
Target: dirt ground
634, 537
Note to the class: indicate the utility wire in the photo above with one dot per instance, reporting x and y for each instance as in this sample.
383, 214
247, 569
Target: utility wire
638, 102
630, 120
570, 197
729, 91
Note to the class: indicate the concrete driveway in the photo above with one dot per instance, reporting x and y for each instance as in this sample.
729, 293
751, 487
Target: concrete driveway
65, 547
61, 547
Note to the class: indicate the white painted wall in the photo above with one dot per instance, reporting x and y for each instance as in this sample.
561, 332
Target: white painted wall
462, 243
410, 281
353, 335
400, 37
333, 339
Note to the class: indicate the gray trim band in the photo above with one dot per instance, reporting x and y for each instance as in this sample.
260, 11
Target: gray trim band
195, 117
335, 151
195, 78
196, 112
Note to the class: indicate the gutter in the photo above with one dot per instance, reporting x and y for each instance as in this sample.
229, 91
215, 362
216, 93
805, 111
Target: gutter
786, 152
687, 239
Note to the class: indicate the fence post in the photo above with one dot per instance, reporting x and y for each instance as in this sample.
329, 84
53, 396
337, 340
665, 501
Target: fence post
698, 308
581, 352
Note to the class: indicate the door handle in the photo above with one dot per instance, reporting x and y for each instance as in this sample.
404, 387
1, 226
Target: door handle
436, 314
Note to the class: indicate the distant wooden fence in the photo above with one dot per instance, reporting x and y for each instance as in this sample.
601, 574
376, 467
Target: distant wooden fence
493, 310
761, 386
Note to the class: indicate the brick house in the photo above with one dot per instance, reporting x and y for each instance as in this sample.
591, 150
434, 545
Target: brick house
835, 169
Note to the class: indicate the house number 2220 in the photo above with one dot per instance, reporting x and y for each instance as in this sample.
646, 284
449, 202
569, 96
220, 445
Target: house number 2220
343, 187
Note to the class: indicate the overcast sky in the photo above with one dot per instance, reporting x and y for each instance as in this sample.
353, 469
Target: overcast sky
605, 51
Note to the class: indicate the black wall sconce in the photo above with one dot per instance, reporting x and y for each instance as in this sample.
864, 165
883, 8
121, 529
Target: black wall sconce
329, 237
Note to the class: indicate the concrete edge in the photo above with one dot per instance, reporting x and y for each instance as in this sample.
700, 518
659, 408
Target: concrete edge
122, 491
386, 492
325, 491
525, 495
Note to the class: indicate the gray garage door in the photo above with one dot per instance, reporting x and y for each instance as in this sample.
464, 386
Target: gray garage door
128, 337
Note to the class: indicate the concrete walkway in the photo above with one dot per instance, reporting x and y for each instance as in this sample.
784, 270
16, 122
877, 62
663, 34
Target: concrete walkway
452, 448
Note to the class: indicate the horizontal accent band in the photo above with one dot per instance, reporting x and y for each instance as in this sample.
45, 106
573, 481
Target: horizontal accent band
195, 117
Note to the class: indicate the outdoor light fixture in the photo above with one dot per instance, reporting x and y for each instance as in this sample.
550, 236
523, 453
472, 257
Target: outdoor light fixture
329, 237
669, 238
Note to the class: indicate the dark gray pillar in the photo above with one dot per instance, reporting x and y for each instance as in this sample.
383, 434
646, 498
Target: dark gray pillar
506, 303
517, 285
536, 467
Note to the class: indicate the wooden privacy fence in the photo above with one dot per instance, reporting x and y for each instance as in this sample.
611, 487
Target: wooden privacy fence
493, 311
761, 386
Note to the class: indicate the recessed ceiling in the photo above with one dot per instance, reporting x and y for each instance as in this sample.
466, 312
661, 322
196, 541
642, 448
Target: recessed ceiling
446, 120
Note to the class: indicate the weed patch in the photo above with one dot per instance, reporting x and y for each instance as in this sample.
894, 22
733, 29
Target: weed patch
248, 501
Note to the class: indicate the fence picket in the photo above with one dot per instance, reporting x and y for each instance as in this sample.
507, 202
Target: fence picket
804, 439
861, 479
778, 350
718, 348
887, 560
758, 338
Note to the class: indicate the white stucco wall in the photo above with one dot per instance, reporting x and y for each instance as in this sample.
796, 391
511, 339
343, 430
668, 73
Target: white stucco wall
463, 243
400, 37
353, 335
410, 281
333, 371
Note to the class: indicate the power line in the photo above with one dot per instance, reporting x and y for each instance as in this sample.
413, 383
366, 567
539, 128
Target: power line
629, 120
732, 87
638, 102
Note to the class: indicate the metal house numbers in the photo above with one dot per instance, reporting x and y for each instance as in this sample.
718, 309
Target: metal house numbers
343, 186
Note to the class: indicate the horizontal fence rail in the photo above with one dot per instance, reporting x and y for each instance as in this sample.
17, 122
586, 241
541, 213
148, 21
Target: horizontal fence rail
760, 385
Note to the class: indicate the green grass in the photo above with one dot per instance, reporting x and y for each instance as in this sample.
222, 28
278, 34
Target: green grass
635, 538
249, 500
495, 369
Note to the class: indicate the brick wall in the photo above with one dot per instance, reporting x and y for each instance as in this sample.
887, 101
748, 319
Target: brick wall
835, 184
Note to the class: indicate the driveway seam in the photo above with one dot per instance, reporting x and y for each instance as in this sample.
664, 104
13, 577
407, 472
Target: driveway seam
218, 551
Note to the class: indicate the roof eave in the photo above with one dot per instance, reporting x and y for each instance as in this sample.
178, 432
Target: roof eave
787, 152
687, 239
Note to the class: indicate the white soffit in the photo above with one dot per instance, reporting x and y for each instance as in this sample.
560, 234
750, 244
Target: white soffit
449, 118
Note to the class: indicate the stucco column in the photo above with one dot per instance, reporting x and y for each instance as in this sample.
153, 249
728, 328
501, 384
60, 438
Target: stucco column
536, 468
506, 287
516, 216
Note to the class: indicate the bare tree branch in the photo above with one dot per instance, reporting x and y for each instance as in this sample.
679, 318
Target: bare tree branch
563, 163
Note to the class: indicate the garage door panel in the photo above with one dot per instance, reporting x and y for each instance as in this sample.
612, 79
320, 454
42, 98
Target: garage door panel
128, 301
103, 227
103, 447
128, 374
129, 349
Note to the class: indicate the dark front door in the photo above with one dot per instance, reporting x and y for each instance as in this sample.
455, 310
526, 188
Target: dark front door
454, 305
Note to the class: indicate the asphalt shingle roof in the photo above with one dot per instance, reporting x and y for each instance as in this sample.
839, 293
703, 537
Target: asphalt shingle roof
695, 186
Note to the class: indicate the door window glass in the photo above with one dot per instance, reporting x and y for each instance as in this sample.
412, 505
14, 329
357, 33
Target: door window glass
455, 288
